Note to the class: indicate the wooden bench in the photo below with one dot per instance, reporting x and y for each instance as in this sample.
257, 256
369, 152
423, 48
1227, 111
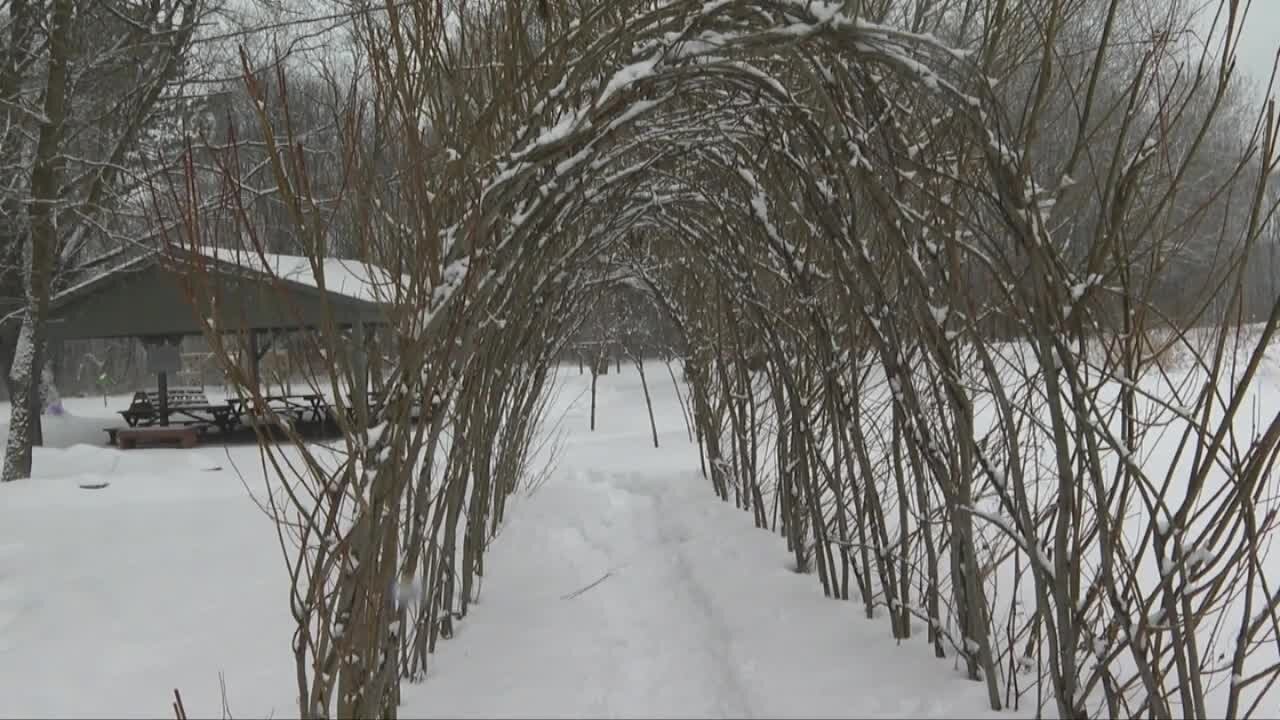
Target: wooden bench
187, 406
187, 436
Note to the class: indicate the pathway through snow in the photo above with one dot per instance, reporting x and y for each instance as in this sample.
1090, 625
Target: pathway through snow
698, 613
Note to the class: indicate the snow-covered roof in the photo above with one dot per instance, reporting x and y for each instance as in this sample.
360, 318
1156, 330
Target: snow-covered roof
349, 278
145, 296
133, 264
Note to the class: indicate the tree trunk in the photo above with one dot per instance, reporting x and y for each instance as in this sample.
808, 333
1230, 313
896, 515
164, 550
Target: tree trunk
24, 381
24, 428
13, 243
37, 400
8, 345
648, 402
595, 375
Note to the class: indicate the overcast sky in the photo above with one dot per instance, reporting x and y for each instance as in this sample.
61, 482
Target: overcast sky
1258, 40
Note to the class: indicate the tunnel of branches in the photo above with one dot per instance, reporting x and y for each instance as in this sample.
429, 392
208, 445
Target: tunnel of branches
888, 359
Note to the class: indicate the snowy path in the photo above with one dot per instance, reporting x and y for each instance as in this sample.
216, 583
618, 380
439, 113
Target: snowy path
636, 593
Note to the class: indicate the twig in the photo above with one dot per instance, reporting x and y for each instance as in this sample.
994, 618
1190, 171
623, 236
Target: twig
226, 706
576, 593
178, 710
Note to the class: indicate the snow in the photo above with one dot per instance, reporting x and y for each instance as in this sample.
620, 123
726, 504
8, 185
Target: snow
350, 278
620, 586
625, 587
628, 75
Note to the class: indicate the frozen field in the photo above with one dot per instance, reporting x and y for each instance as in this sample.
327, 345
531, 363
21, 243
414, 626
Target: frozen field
620, 587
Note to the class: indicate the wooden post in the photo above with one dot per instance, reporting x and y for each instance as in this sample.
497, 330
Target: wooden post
254, 374
163, 357
360, 370
284, 338
374, 348
162, 384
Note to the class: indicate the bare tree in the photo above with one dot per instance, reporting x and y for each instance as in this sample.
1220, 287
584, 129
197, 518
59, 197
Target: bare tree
78, 102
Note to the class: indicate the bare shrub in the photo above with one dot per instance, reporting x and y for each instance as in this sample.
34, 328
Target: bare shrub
932, 308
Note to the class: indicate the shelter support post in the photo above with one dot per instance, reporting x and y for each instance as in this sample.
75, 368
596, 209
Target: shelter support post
163, 357
360, 369
254, 368
373, 345
162, 385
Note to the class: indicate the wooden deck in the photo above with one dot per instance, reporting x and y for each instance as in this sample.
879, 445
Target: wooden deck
128, 438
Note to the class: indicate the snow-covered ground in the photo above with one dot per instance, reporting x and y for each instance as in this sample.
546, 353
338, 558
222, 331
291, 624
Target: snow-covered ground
111, 598
620, 587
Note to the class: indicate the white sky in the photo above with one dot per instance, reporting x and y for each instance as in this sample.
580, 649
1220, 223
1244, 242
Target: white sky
1259, 38
1258, 41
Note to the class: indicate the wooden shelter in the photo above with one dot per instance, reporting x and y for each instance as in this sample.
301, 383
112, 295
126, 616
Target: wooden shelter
161, 298
152, 296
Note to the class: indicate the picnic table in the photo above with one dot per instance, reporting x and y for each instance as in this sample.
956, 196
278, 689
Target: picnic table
304, 408
186, 406
192, 407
